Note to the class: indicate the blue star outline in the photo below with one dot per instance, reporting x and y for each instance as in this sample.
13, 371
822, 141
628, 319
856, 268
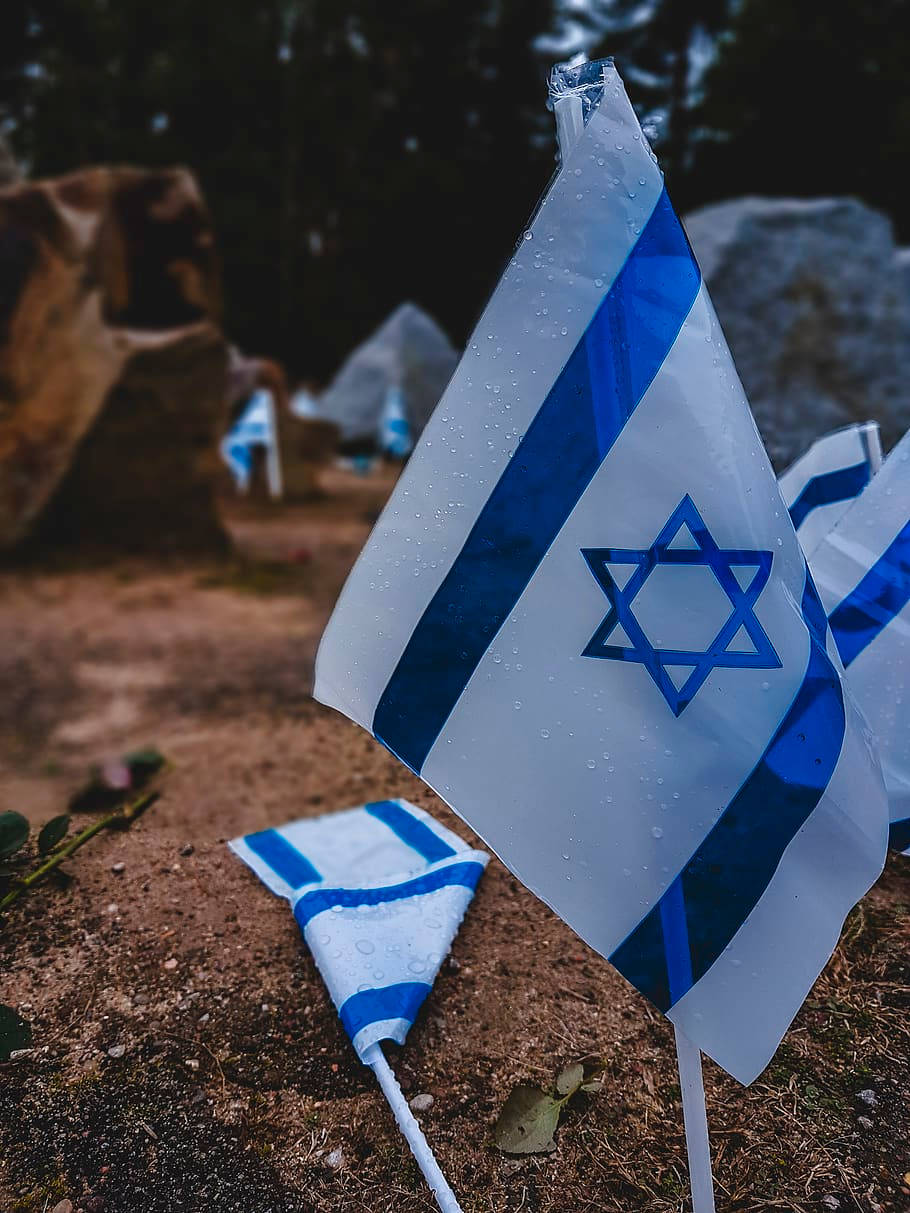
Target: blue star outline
721, 562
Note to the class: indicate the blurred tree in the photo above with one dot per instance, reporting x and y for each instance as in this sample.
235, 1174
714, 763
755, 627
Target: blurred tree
353, 154
809, 99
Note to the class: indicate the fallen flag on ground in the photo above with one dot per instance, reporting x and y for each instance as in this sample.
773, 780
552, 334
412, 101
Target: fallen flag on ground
862, 570
379, 893
827, 479
585, 621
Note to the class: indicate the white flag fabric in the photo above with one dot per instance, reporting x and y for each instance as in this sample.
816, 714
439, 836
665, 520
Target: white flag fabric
862, 570
379, 893
827, 479
585, 620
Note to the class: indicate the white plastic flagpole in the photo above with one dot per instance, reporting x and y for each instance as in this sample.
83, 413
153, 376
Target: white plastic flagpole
695, 1118
873, 440
413, 1134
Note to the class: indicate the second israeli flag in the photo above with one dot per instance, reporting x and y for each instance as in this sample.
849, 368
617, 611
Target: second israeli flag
584, 618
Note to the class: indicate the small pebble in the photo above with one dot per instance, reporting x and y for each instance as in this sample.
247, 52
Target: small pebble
171, 964
63, 1206
864, 1122
20, 1054
421, 1103
113, 908
335, 1159
192, 1063
187, 850
116, 1050
868, 1097
118, 868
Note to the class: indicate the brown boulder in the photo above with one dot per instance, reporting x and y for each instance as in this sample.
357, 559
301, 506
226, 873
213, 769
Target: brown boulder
112, 364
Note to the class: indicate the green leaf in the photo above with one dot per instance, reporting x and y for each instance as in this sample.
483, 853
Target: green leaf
570, 1079
53, 833
15, 1032
527, 1122
13, 833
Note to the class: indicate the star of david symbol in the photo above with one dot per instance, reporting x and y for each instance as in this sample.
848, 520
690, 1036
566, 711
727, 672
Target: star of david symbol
740, 643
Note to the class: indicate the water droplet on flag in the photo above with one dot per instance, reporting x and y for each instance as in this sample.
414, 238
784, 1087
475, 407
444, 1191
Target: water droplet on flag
590, 764
545, 733
364, 946
657, 832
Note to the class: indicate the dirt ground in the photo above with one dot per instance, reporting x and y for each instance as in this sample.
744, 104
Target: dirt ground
231, 1086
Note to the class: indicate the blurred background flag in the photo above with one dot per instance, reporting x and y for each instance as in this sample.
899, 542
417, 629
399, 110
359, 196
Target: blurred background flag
394, 430
255, 427
582, 619
379, 893
862, 570
825, 481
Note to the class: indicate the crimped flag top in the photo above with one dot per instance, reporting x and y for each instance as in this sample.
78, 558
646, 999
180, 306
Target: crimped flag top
584, 618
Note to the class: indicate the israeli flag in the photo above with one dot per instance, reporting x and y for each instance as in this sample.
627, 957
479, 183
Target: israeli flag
379, 893
584, 618
394, 428
862, 570
827, 479
256, 426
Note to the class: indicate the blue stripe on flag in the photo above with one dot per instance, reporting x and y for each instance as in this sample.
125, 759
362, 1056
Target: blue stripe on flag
597, 390
401, 1001
899, 835
319, 900
829, 487
411, 830
675, 941
870, 607
284, 860
724, 879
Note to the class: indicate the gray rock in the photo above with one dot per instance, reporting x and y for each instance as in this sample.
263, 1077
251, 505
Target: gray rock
116, 1051
868, 1097
421, 1103
408, 351
814, 304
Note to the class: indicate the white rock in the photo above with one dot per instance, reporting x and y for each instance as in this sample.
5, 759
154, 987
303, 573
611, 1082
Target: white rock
408, 351
335, 1159
421, 1103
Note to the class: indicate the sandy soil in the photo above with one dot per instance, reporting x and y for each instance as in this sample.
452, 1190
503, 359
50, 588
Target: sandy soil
236, 1088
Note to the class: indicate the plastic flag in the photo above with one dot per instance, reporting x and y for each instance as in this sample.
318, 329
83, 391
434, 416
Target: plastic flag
862, 570
584, 619
827, 479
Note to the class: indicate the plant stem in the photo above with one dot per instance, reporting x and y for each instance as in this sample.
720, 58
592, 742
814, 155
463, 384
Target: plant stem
122, 816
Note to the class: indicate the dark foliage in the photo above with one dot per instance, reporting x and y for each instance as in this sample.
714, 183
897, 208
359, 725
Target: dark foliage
357, 154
